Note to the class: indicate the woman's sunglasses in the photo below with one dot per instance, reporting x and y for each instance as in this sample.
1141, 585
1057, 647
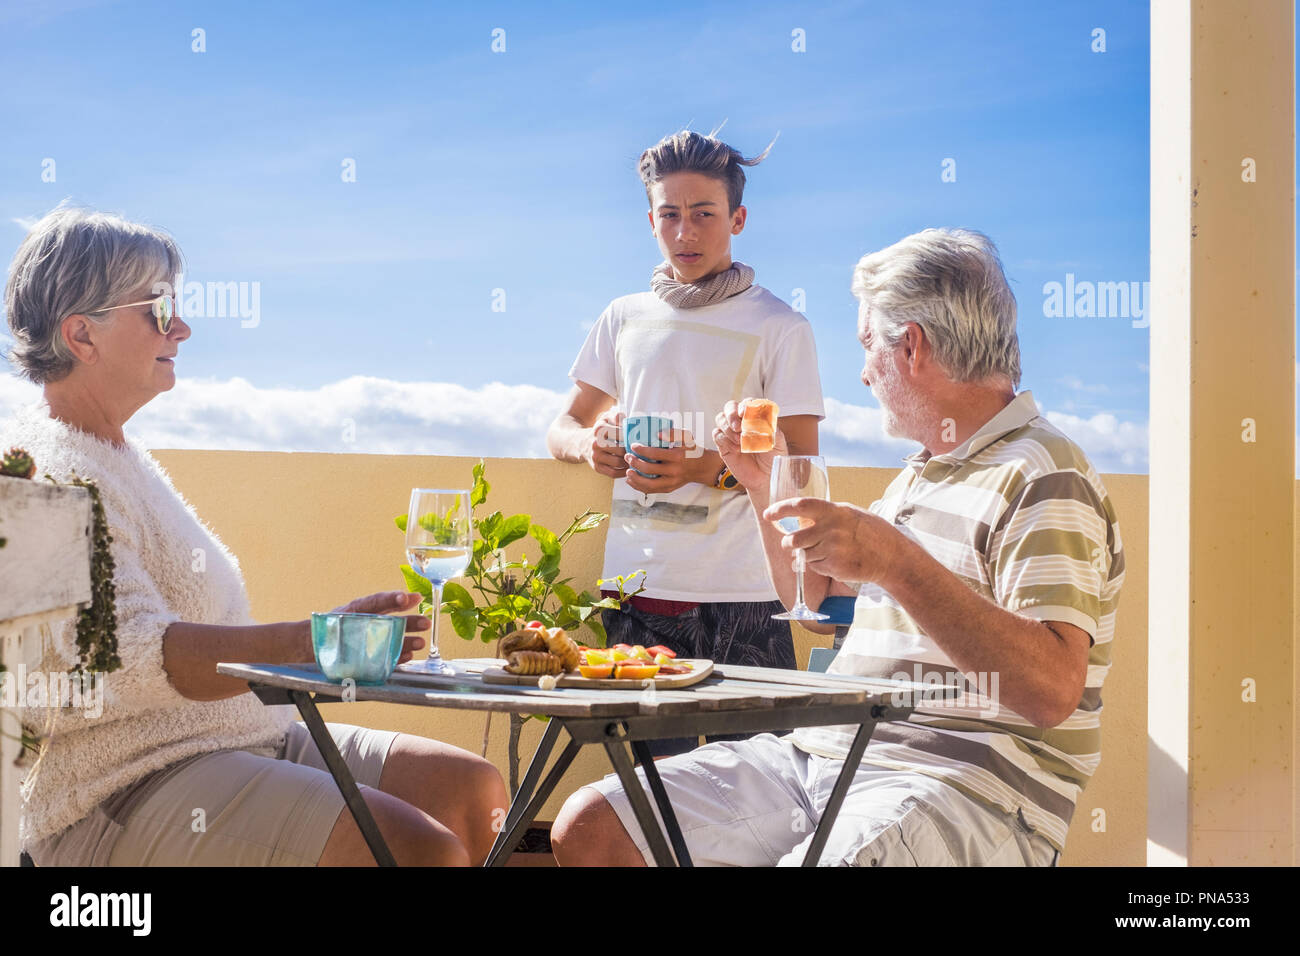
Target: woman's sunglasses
164, 310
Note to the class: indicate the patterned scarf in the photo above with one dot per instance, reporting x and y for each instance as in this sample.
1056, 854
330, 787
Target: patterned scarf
692, 295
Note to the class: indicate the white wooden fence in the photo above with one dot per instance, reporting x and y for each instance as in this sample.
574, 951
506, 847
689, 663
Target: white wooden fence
44, 579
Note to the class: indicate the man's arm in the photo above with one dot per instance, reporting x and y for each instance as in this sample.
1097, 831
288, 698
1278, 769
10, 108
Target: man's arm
1041, 666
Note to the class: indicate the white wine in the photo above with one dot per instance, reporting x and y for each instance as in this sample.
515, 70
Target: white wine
438, 564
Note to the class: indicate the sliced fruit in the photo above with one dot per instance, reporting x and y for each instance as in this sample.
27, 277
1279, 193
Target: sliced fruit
660, 649
596, 657
636, 671
619, 654
596, 671
641, 654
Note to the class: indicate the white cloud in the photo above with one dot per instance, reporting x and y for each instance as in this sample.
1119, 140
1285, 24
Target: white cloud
854, 435
1111, 445
1077, 384
437, 418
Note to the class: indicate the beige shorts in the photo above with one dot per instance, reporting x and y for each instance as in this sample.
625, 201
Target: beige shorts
252, 807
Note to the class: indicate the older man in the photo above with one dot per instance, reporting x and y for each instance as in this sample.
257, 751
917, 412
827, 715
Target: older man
995, 554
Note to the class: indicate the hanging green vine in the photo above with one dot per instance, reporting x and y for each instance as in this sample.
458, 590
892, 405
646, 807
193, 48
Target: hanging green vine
97, 622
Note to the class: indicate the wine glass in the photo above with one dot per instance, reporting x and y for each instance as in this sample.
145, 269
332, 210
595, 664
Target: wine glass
439, 542
799, 476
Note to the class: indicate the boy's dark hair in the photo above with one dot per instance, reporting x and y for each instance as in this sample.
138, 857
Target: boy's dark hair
688, 151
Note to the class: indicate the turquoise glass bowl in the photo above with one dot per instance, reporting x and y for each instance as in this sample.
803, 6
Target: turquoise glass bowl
360, 647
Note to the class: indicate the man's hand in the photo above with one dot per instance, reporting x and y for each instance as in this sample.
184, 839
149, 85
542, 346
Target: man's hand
671, 468
841, 541
752, 470
386, 602
603, 452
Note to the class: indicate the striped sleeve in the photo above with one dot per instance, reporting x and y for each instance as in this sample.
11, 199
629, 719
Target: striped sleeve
1049, 558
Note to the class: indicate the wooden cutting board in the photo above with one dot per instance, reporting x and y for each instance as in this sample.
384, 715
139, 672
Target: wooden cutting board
702, 669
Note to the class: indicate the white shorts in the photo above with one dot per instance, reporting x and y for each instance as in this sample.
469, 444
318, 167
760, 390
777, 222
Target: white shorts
757, 802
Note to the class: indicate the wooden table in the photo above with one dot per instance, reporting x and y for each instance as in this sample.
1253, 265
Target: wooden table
732, 700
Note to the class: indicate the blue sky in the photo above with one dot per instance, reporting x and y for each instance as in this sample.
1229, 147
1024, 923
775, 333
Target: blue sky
515, 170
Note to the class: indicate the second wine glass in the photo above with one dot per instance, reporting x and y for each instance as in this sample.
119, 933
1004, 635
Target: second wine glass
439, 543
799, 476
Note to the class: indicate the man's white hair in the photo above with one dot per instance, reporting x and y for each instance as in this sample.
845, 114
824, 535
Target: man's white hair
950, 283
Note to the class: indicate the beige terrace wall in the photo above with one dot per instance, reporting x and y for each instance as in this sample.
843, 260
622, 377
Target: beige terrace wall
314, 530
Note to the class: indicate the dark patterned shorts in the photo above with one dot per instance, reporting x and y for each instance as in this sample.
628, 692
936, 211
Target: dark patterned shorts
725, 633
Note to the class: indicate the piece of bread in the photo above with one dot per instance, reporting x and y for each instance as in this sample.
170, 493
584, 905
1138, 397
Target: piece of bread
562, 646
524, 639
758, 425
534, 663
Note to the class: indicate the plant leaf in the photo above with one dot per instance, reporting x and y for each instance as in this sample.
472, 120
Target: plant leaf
549, 567
598, 629
456, 595
590, 522
490, 528
546, 538
512, 529
465, 622
566, 593
416, 583
478, 494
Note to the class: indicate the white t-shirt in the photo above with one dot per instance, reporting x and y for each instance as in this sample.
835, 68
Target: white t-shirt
696, 543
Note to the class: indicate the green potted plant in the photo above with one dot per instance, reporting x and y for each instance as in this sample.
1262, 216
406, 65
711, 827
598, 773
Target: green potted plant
510, 593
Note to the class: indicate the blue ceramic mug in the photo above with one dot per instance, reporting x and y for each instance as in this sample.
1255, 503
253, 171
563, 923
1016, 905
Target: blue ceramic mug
645, 430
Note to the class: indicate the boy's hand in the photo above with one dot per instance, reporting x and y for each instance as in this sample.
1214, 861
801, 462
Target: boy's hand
752, 470
672, 467
604, 453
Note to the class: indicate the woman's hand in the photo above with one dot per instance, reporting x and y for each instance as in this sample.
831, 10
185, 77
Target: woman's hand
752, 469
386, 602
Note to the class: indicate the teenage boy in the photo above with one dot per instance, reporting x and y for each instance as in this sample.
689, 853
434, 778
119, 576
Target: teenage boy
703, 335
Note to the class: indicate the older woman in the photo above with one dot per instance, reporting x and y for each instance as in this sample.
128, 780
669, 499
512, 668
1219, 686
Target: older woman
175, 737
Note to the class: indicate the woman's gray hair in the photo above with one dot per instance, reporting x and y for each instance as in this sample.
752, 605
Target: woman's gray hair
950, 283
77, 261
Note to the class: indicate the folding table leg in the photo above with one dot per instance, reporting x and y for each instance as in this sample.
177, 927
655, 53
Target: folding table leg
508, 839
851, 762
642, 751
521, 799
347, 785
640, 805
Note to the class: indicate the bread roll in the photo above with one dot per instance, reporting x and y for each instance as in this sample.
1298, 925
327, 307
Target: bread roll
758, 425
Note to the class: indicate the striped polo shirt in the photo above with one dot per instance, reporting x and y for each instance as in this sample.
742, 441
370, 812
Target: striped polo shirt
1020, 515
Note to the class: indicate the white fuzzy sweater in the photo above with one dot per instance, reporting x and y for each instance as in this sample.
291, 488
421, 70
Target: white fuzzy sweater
146, 724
